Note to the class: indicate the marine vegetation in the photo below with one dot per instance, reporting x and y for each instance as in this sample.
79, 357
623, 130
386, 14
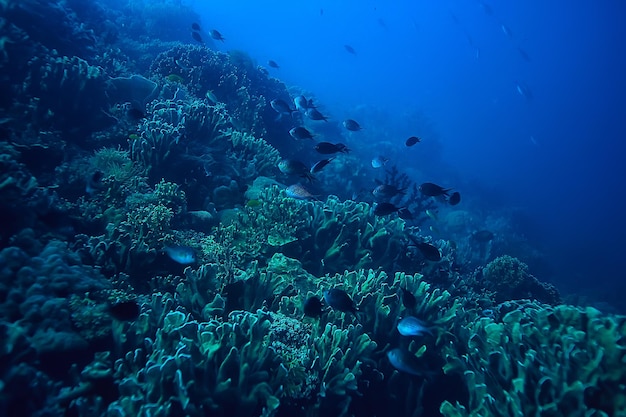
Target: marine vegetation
160, 258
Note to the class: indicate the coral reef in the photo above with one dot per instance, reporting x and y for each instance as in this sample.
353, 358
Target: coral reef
541, 360
509, 279
231, 78
112, 159
58, 90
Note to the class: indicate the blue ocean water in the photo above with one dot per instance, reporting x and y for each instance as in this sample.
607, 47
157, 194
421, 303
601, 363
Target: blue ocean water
449, 71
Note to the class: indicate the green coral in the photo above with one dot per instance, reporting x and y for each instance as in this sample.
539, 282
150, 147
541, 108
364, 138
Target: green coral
254, 155
509, 279
541, 360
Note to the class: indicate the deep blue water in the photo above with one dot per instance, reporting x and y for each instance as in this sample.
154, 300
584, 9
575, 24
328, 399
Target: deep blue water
555, 159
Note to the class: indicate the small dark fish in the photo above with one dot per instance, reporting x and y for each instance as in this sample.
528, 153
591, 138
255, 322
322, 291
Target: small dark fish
273, 64
405, 361
408, 299
281, 107
313, 114
412, 141
523, 54
382, 23
352, 125
302, 104
293, 167
433, 190
412, 326
339, 300
125, 310
482, 236
135, 113
196, 36
216, 35
313, 307
386, 191
328, 148
319, 165
429, 251
455, 198
195, 27
94, 182
384, 209
183, 255
300, 132
298, 192
350, 49
405, 214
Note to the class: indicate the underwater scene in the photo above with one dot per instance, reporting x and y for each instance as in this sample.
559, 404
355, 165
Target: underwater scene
339, 209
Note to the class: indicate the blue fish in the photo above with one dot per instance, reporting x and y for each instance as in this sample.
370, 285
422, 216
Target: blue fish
183, 255
405, 361
412, 326
339, 300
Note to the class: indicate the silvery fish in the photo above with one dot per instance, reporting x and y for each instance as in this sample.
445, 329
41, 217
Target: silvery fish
412, 326
379, 161
302, 104
216, 35
319, 165
293, 167
352, 125
183, 255
300, 133
404, 361
298, 192
386, 191
281, 107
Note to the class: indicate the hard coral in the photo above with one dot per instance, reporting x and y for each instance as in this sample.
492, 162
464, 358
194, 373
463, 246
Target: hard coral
508, 277
540, 360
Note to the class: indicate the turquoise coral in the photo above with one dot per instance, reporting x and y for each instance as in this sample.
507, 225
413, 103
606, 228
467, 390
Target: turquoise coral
543, 360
